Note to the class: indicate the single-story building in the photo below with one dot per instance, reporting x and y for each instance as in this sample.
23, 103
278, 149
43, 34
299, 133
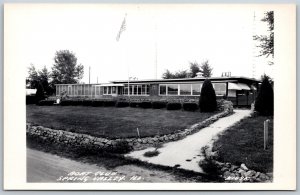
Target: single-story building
240, 90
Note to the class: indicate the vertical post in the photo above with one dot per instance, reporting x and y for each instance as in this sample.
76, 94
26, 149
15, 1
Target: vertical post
138, 132
89, 75
128, 87
266, 126
226, 89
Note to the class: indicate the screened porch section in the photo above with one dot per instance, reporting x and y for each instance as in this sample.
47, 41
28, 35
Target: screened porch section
78, 90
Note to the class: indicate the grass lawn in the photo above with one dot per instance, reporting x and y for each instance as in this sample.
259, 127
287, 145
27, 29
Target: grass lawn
244, 143
113, 122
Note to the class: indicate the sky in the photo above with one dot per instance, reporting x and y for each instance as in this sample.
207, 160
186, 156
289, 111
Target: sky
157, 37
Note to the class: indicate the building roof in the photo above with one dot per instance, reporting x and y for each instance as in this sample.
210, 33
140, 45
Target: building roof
218, 79
155, 81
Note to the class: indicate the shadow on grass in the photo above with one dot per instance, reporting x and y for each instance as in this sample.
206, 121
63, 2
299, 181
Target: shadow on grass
111, 160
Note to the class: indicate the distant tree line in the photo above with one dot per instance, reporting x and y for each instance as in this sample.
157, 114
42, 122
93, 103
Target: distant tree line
64, 70
204, 69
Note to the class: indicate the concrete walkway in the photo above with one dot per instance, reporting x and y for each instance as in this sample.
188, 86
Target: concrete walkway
187, 152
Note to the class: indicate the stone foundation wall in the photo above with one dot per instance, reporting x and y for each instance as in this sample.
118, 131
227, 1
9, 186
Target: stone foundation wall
70, 138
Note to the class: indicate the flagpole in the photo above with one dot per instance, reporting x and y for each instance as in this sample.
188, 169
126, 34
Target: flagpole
122, 29
155, 50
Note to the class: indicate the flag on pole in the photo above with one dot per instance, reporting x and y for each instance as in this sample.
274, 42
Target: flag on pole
122, 28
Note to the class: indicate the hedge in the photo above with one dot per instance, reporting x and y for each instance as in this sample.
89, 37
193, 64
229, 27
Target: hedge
159, 105
46, 102
133, 104
173, 106
109, 103
190, 106
77, 102
66, 102
145, 105
122, 104
30, 99
97, 103
87, 102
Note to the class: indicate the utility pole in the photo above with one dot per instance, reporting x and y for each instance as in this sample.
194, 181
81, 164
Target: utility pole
253, 49
89, 75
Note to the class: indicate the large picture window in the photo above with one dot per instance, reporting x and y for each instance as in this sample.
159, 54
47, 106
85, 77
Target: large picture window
180, 89
137, 90
220, 88
196, 89
185, 89
173, 89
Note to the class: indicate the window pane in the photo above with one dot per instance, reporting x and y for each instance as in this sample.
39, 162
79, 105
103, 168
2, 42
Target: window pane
220, 88
108, 90
147, 89
144, 89
185, 89
139, 89
97, 90
114, 91
196, 89
135, 89
173, 89
162, 90
79, 89
125, 92
105, 90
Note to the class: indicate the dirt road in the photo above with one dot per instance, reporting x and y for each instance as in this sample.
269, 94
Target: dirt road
46, 167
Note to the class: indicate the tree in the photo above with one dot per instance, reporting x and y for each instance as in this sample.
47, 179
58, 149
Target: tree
206, 70
177, 75
33, 78
65, 68
264, 103
267, 41
44, 76
181, 74
167, 75
194, 69
207, 100
40, 93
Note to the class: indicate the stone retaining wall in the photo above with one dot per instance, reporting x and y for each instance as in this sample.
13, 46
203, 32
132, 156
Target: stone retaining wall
233, 173
70, 138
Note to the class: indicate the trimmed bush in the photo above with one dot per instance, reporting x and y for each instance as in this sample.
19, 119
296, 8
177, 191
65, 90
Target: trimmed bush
66, 103
264, 103
122, 104
207, 101
145, 105
76, 102
40, 93
87, 102
133, 104
159, 105
109, 103
151, 153
97, 103
46, 102
30, 99
173, 106
121, 147
190, 106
